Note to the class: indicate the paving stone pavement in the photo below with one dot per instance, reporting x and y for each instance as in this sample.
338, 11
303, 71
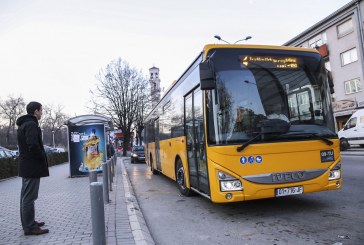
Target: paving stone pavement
64, 205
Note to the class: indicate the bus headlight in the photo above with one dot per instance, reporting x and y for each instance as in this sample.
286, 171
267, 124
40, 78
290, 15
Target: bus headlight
229, 183
335, 173
134, 155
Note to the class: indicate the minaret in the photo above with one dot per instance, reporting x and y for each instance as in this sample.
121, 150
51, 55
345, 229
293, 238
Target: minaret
155, 85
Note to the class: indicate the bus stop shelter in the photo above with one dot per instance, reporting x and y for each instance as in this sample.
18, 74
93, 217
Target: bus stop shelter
87, 143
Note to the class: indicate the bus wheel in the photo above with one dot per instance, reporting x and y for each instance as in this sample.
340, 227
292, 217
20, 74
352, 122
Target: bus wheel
155, 172
181, 179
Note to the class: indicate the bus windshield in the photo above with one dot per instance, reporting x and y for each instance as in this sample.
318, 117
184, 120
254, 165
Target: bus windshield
259, 85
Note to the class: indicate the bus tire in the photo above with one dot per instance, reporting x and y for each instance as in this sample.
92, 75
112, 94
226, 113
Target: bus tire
154, 171
181, 179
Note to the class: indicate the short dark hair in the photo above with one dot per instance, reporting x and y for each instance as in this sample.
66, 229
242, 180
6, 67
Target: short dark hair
32, 107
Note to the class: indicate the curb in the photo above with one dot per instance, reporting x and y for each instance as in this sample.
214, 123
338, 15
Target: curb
138, 225
9, 178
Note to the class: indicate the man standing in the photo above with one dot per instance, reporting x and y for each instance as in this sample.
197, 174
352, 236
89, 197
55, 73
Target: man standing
33, 165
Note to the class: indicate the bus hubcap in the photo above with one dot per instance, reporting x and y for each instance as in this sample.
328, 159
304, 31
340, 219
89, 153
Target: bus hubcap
180, 177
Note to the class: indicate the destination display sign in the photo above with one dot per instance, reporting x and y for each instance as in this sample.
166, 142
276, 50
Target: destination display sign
270, 62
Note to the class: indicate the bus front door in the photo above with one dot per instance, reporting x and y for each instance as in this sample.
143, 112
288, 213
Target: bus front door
157, 147
196, 151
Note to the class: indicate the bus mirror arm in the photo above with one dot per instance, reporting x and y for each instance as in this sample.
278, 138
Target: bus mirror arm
330, 81
207, 76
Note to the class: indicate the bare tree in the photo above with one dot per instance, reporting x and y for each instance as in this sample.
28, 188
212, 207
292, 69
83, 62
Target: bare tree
10, 110
120, 94
53, 119
142, 111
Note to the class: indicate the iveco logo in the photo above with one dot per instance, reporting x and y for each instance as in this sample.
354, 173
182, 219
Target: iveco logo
288, 177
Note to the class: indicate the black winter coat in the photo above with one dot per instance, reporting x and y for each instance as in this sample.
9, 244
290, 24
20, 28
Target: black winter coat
32, 158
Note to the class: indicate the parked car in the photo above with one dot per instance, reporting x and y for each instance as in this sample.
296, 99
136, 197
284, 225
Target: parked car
59, 149
353, 131
50, 150
137, 154
7, 154
13, 153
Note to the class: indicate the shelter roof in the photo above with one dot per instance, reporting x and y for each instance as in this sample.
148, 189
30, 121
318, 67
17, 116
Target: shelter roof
89, 120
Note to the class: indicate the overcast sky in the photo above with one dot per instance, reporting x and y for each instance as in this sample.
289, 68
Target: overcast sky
51, 50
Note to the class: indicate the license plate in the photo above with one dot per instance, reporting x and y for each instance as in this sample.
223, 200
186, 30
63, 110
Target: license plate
296, 190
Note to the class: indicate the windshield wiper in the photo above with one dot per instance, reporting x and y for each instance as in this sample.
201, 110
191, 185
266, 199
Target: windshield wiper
243, 146
268, 126
327, 141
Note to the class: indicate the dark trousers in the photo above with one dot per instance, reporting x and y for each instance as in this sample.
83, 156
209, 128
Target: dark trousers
29, 193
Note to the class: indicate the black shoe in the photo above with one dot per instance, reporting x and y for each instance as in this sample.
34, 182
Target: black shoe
36, 232
40, 224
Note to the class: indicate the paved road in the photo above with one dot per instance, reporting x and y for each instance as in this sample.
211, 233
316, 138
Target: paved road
354, 150
333, 217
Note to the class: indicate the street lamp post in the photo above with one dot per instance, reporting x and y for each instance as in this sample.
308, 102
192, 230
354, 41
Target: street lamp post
244, 39
220, 39
53, 138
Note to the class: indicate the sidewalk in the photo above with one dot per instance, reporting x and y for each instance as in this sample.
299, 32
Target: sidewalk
64, 205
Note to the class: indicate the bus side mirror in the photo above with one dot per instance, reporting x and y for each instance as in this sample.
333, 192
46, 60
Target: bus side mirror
207, 77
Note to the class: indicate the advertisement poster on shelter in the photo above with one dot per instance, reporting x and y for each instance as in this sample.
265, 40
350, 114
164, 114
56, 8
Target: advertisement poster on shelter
87, 148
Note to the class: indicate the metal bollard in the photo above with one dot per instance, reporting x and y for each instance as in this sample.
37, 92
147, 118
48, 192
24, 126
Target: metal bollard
97, 214
113, 166
105, 182
109, 174
115, 160
112, 170
92, 174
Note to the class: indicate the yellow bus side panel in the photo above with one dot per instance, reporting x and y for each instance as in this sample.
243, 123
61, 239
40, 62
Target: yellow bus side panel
170, 149
165, 152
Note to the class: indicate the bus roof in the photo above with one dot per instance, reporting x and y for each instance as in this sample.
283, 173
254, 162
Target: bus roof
208, 47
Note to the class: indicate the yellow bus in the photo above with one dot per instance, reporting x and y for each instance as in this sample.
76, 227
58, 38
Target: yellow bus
246, 122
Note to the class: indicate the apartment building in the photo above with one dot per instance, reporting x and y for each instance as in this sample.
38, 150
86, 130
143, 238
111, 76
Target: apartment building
339, 39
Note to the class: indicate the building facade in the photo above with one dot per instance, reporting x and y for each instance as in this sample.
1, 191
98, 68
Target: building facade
339, 38
155, 85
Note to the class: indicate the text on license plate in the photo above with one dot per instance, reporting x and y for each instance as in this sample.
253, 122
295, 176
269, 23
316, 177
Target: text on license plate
289, 191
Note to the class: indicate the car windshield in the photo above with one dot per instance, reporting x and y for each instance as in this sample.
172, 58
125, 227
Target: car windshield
138, 148
253, 86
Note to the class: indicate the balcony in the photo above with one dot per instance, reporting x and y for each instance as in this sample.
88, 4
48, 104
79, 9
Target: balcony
323, 50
